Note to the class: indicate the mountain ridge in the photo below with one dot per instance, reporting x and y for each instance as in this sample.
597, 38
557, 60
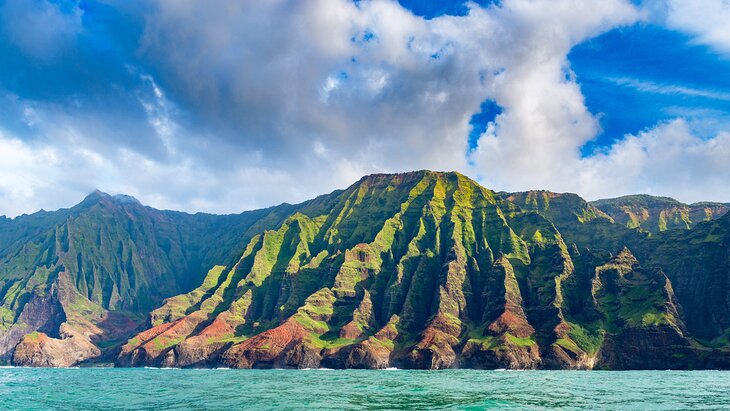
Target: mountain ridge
418, 270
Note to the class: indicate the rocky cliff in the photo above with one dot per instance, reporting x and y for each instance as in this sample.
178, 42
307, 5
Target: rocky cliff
416, 270
430, 270
96, 270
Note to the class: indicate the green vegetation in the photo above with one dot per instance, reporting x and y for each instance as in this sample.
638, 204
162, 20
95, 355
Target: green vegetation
34, 336
568, 345
328, 344
657, 214
525, 342
588, 341
456, 264
163, 343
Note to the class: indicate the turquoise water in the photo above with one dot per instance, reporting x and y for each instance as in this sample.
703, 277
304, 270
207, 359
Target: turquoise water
153, 389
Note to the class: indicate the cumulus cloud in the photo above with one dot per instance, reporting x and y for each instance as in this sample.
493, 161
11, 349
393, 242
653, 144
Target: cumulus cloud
229, 106
668, 159
706, 20
377, 88
536, 141
364, 80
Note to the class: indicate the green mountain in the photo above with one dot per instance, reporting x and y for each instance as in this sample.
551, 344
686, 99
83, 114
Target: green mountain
95, 271
413, 270
656, 214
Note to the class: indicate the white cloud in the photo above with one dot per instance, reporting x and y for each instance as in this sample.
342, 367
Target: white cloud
707, 20
666, 160
671, 89
39, 27
330, 85
358, 78
27, 174
255, 103
159, 114
535, 142
60, 172
408, 86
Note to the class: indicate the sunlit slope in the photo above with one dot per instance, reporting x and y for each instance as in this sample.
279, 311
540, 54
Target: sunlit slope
420, 270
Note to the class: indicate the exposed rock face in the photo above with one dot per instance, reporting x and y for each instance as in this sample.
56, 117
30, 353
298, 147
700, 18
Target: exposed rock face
283, 346
416, 270
42, 313
640, 314
508, 340
373, 353
70, 324
38, 350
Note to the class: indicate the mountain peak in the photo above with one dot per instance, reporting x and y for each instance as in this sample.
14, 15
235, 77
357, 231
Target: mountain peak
383, 180
655, 214
125, 199
643, 200
625, 254
95, 197
416, 174
98, 196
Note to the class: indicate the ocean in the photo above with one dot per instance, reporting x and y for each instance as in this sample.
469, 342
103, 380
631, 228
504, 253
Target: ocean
223, 389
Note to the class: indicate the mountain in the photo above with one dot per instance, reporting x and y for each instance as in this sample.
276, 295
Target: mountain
414, 270
656, 214
92, 273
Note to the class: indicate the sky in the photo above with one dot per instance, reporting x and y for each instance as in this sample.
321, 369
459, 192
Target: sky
224, 106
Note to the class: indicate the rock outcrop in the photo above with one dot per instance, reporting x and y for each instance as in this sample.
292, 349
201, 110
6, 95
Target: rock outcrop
39, 350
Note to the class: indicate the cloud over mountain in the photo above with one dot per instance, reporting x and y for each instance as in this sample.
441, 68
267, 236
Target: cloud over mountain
234, 105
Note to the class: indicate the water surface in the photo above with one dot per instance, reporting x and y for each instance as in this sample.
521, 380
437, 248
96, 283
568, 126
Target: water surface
174, 389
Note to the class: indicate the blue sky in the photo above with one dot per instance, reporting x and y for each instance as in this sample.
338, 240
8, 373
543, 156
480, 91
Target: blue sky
431, 9
637, 76
657, 72
226, 106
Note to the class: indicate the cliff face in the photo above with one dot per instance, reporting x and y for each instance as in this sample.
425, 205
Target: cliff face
415, 270
657, 214
394, 271
99, 268
698, 264
430, 270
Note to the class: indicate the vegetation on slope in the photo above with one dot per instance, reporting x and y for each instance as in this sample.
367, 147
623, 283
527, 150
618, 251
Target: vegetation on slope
421, 270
